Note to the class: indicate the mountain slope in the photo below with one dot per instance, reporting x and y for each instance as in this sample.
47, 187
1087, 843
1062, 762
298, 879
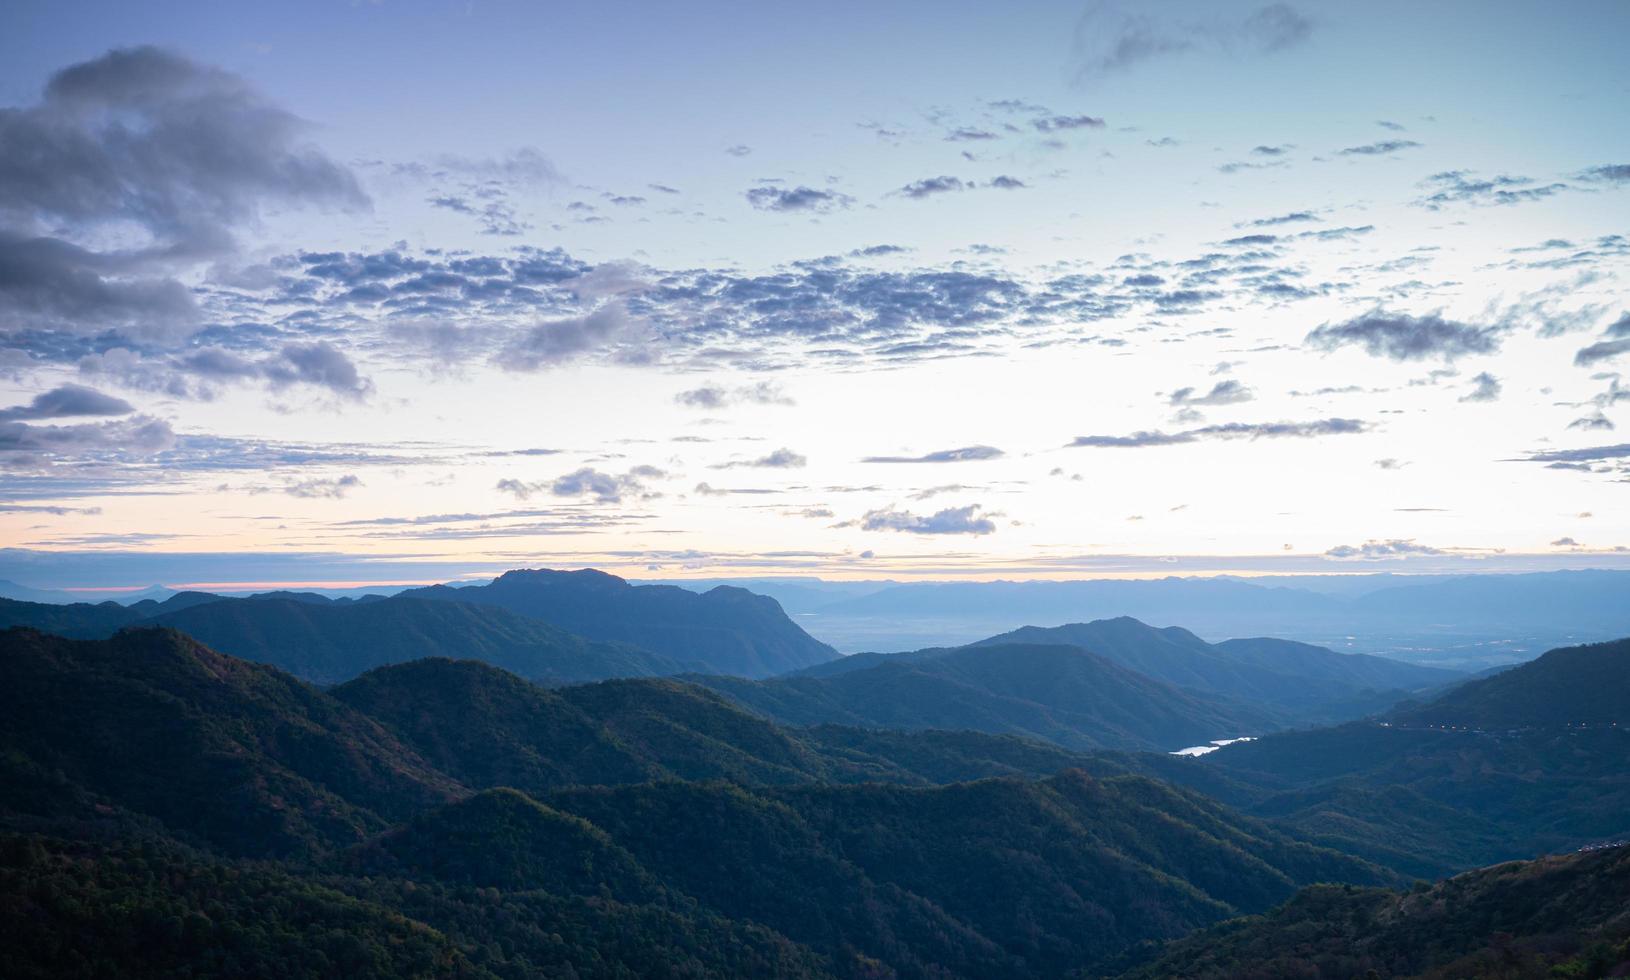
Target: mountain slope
1555, 917
240, 755
1057, 693
1304, 683
328, 642
1573, 686
726, 630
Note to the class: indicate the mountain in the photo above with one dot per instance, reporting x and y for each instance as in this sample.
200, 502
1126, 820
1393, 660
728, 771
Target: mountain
22, 593
138, 772
1555, 917
1526, 761
231, 753
980, 879
1061, 694
1302, 683
726, 629
328, 641
1571, 687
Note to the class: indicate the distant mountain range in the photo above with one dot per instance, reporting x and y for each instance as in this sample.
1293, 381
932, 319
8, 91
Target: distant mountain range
1463, 622
1107, 684
552, 627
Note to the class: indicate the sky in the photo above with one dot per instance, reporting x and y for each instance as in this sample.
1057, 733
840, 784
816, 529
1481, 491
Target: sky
333, 293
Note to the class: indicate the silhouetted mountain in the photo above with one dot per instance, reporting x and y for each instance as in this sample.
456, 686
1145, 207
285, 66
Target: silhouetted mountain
729, 630
981, 879
1554, 917
327, 641
122, 742
1575, 686
22, 593
240, 755
1058, 693
1300, 682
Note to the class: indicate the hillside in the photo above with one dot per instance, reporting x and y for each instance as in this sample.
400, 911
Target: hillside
238, 755
725, 630
1060, 694
1570, 687
328, 642
138, 768
1554, 917
1301, 682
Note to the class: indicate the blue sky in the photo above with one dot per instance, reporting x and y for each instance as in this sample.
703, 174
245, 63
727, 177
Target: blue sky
401, 291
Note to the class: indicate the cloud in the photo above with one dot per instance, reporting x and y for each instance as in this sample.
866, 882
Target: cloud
1402, 337
66, 401
1614, 173
1115, 37
1229, 392
1003, 182
1381, 550
1227, 431
1485, 388
141, 140
952, 520
551, 343
1460, 187
24, 446
714, 397
1615, 341
196, 373
1565, 542
1053, 124
969, 134
965, 454
781, 459
929, 186
324, 489
810, 199
1379, 148
1284, 219
1586, 454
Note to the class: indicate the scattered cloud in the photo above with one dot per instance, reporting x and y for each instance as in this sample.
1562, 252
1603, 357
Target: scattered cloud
797, 199
1402, 337
964, 454
952, 520
1227, 431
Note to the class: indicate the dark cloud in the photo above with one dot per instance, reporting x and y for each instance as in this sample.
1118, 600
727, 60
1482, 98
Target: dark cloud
1485, 388
1005, 183
1379, 550
1615, 341
1284, 219
929, 186
1115, 37
605, 488
781, 459
1614, 173
331, 488
952, 520
963, 455
1379, 148
1461, 187
969, 134
1228, 392
1231, 430
1402, 337
772, 198
67, 401
24, 446
144, 139
1587, 454
1053, 124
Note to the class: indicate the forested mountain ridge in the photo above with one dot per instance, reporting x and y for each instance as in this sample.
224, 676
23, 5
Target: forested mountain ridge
1057, 693
730, 630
